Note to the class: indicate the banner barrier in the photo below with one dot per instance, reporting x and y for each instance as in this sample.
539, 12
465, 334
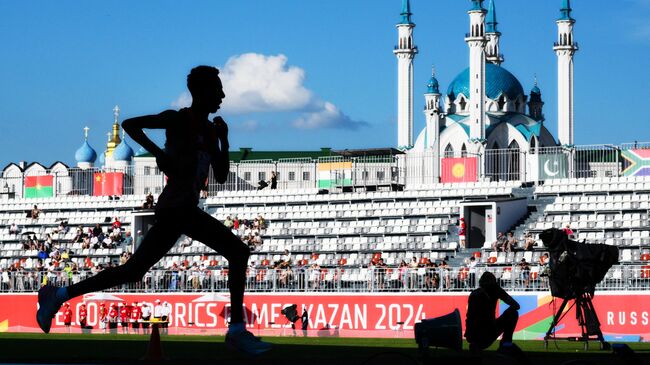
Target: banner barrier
623, 315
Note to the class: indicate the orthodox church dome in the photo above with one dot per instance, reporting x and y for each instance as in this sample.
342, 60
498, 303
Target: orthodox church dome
123, 152
498, 81
85, 153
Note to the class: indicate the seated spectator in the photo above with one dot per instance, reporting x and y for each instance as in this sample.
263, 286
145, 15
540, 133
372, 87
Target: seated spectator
524, 267
117, 225
228, 222
149, 202
13, 229
500, 242
511, 243
568, 231
97, 230
35, 212
529, 242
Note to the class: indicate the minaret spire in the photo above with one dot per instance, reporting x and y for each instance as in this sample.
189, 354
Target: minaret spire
492, 49
406, 12
476, 40
432, 117
565, 48
405, 52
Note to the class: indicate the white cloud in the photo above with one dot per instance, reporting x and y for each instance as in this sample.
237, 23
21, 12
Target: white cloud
184, 100
329, 116
257, 83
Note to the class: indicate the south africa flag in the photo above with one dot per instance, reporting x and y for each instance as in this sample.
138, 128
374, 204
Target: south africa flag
637, 162
39, 186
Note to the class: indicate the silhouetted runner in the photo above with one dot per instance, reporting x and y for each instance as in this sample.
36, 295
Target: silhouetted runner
193, 143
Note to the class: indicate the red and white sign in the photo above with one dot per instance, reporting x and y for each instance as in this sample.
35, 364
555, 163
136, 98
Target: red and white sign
354, 314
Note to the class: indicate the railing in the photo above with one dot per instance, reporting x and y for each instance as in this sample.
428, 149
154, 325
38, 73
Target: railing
512, 278
338, 173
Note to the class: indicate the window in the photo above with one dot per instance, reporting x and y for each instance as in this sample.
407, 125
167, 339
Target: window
380, 175
247, 176
147, 170
157, 170
305, 175
158, 189
292, 175
449, 151
147, 190
463, 151
261, 176
364, 175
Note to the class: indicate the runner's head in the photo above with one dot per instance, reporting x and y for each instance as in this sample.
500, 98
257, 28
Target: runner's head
204, 84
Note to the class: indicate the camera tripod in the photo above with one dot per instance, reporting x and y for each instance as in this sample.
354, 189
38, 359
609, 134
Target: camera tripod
587, 319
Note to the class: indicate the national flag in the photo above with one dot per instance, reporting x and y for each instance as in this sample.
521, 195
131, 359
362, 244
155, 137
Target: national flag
456, 170
107, 183
552, 166
39, 186
332, 174
637, 161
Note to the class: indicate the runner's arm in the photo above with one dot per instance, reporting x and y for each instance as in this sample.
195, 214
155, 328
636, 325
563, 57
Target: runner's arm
220, 156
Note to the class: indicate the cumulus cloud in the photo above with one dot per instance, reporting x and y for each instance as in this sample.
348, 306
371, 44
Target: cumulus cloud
328, 116
257, 83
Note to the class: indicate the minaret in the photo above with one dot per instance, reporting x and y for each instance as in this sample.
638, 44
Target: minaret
492, 50
476, 41
114, 140
405, 52
432, 115
565, 48
535, 103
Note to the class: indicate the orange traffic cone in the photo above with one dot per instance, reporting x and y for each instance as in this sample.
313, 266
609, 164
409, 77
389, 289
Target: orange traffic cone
154, 351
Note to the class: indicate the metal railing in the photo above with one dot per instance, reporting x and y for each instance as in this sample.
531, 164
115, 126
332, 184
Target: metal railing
306, 279
339, 173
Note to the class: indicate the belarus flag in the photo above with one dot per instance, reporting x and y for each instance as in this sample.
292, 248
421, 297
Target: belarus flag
456, 170
39, 186
107, 183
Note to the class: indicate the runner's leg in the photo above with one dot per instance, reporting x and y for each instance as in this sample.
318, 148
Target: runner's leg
158, 241
208, 230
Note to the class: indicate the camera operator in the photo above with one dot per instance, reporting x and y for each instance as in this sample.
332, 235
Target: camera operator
481, 326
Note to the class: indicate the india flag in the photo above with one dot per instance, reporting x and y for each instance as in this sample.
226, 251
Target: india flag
331, 174
39, 186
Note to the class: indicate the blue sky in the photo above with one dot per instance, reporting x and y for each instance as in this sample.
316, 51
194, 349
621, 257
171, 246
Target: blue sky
65, 65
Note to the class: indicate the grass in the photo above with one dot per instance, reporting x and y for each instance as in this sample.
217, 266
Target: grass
78, 348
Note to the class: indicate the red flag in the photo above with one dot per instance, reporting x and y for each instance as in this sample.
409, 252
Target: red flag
459, 170
108, 183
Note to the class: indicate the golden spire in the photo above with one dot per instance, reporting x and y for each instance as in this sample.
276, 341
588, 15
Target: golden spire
115, 140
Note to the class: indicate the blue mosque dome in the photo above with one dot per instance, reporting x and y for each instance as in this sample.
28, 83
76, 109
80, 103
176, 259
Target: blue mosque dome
535, 93
101, 161
498, 81
141, 152
432, 86
123, 152
85, 153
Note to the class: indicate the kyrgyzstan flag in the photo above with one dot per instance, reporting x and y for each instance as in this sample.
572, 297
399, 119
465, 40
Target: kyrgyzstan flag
39, 186
456, 170
108, 183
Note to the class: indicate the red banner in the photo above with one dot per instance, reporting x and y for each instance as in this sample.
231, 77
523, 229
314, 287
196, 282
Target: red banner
354, 314
108, 183
455, 170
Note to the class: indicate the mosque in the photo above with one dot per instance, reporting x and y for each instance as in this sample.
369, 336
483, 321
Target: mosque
485, 106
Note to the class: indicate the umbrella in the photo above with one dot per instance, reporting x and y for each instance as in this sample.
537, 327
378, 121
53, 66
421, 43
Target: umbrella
212, 297
102, 297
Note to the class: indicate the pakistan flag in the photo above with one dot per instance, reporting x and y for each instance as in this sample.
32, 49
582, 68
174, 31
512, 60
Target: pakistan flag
552, 166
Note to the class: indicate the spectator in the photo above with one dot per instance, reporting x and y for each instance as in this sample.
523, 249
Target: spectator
117, 225
472, 271
314, 275
97, 231
380, 272
524, 268
500, 242
482, 328
228, 222
13, 229
568, 231
149, 202
529, 242
431, 277
511, 243
403, 274
35, 212
461, 233
413, 273
128, 240
274, 180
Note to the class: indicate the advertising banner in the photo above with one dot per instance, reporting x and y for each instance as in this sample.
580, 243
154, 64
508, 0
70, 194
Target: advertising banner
354, 314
